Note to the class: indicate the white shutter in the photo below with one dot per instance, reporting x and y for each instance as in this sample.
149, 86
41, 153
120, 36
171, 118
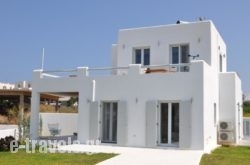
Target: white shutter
122, 123
185, 124
94, 121
151, 123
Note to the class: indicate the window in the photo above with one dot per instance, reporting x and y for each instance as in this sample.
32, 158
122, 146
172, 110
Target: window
179, 54
142, 56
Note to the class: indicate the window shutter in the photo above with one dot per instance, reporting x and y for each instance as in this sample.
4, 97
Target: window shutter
185, 124
151, 124
94, 121
122, 123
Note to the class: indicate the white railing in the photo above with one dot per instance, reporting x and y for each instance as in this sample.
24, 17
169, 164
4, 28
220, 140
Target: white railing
246, 126
108, 71
59, 73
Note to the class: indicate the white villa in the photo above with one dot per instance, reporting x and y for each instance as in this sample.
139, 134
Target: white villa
6, 86
168, 86
18, 85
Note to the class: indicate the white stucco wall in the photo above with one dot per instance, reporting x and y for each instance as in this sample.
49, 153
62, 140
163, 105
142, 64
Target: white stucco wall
67, 122
211, 102
231, 101
137, 89
218, 48
239, 112
79, 84
160, 38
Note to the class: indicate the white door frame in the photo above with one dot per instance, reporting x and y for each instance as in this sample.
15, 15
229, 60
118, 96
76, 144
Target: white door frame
169, 143
109, 140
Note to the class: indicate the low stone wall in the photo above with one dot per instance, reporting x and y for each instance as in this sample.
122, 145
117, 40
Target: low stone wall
67, 123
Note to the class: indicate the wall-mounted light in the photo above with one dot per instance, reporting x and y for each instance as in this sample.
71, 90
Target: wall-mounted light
136, 100
158, 43
199, 40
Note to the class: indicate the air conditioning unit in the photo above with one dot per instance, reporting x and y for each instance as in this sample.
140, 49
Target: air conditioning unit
225, 126
226, 137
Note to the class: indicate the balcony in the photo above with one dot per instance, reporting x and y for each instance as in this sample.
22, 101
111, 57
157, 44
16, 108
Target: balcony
114, 71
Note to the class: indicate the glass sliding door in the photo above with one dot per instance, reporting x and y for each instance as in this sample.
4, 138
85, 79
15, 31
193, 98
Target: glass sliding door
175, 123
109, 122
164, 123
169, 124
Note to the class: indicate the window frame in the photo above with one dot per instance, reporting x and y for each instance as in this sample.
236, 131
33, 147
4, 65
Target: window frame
180, 56
142, 56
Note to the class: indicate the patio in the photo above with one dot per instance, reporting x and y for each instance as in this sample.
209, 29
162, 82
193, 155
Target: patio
136, 156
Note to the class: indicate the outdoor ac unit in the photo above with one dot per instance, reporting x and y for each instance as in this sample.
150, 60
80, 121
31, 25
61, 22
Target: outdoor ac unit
226, 137
226, 126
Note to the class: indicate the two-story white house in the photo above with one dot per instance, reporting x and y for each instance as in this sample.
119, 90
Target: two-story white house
168, 87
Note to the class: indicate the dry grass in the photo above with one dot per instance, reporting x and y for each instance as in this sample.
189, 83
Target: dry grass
4, 119
62, 109
43, 108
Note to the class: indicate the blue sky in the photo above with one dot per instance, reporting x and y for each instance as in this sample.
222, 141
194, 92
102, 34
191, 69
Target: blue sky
80, 32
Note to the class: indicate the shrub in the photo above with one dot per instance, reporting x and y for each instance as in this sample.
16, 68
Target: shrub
5, 143
246, 107
246, 103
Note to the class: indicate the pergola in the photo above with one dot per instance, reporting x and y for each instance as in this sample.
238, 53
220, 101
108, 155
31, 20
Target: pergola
21, 94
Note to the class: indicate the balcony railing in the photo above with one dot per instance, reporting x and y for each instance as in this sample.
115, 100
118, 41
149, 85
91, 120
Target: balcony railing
111, 71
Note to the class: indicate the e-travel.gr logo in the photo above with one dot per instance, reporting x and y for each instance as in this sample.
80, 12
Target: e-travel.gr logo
49, 146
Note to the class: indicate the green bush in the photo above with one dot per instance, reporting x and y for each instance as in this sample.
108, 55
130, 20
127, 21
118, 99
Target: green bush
5, 143
246, 108
246, 103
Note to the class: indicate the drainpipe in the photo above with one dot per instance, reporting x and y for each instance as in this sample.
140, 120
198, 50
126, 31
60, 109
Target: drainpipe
93, 90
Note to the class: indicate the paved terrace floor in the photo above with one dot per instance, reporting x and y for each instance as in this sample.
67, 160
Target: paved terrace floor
140, 156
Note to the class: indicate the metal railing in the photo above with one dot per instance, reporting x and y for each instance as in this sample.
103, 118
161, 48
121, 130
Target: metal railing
108, 71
